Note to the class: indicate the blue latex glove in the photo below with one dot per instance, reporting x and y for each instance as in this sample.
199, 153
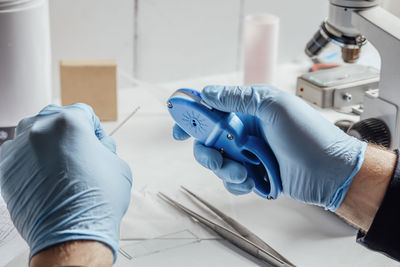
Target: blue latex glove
317, 160
62, 180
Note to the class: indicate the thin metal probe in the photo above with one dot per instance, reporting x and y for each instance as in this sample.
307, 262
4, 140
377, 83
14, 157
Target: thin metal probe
240, 228
129, 257
227, 234
124, 121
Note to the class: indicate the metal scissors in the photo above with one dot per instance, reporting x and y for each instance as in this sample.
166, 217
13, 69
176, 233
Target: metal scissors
244, 239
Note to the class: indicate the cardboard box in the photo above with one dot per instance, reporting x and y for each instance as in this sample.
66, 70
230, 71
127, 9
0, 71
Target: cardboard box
93, 82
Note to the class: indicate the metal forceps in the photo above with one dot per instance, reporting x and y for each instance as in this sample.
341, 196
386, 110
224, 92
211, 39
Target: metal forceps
245, 239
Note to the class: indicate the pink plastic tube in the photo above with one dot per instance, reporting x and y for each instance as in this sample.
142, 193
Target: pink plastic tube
261, 33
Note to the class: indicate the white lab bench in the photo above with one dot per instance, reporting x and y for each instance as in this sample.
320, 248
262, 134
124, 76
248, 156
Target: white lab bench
306, 235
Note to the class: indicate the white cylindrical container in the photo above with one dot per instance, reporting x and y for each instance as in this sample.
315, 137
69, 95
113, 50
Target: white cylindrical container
261, 33
24, 61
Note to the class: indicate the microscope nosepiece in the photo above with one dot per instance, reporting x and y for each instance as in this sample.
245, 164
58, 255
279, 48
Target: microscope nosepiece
318, 42
351, 45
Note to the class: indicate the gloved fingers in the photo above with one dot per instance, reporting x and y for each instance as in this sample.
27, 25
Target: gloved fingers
5, 149
240, 189
127, 172
109, 143
242, 99
232, 172
207, 157
24, 125
179, 134
50, 109
99, 131
226, 169
98, 128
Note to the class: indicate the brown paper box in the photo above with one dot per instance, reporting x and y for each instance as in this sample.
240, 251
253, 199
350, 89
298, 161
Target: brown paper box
93, 82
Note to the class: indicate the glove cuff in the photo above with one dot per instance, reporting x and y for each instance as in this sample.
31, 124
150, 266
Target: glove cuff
341, 192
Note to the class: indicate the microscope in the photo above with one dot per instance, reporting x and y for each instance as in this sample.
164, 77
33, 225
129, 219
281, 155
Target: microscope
350, 24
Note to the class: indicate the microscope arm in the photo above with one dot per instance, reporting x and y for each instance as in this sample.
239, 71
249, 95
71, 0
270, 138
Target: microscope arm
382, 29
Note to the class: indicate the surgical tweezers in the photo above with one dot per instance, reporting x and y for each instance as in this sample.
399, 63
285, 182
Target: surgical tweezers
245, 240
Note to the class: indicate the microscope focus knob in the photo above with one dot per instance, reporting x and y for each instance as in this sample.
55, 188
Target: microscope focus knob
371, 130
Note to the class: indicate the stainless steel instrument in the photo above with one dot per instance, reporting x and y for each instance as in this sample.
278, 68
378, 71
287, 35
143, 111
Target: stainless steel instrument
244, 238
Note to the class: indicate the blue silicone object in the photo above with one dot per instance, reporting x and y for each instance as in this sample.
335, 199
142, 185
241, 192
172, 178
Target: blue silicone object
226, 133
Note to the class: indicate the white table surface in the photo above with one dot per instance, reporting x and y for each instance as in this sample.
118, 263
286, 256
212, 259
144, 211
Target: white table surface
306, 235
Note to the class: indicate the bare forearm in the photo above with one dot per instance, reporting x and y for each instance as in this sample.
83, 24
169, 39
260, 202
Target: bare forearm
74, 253
368, 188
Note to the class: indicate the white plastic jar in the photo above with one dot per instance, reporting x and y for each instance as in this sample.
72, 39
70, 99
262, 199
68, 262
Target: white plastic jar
24, 61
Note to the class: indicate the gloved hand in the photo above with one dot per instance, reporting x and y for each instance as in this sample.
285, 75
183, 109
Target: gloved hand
62, 180
317, 160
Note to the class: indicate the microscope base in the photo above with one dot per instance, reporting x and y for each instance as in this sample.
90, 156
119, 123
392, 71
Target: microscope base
376, 107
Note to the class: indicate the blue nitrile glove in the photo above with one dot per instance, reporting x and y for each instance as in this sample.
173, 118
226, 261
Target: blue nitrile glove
317, 160
62, 180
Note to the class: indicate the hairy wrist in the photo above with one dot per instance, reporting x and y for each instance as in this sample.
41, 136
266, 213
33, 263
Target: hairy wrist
368, 188
74, 253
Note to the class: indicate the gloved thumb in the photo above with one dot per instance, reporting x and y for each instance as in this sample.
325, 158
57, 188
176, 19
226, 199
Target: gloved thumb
242, 99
